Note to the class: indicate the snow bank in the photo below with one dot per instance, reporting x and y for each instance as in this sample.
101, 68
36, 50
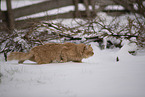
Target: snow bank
97, 76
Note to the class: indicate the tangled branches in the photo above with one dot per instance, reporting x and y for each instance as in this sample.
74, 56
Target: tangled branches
108, 32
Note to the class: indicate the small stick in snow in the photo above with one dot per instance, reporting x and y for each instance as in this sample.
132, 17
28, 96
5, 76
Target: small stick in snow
117, 59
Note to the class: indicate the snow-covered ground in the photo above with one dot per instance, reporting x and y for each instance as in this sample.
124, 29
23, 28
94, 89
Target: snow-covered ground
97, 76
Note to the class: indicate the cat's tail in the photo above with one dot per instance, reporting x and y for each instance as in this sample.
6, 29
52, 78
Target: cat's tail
19, 56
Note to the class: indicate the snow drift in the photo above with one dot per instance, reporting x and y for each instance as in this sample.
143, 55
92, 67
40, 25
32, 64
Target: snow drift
98, 76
